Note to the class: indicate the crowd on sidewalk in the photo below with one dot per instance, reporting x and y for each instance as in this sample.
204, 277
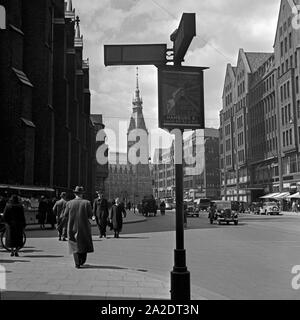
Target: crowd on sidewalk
72, 219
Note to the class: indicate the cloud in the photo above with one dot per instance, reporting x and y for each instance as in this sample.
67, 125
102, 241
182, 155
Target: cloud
223, 26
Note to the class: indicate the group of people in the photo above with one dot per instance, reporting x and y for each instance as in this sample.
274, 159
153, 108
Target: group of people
72, 218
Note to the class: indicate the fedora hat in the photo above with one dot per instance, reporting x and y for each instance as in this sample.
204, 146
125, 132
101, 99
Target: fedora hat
79, 190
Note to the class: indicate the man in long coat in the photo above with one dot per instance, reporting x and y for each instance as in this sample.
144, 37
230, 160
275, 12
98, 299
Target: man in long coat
15, 219
116, 217
100, 210
58, 211
78, 212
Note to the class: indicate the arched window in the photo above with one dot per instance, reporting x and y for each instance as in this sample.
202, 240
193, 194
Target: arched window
2, 18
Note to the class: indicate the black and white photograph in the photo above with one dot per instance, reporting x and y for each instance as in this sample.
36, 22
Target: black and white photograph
149, 151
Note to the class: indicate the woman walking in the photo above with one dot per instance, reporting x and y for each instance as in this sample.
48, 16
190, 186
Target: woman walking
116, 217
15, 219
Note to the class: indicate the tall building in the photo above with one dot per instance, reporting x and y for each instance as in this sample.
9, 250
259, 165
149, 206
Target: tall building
201, 167
260, 118
48, 137
287, 63
127, 179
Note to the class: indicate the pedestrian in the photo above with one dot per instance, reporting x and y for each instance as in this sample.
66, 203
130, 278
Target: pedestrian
162, 208
100, 211
15, 219
116, 217
129, 206
294, 206
43, 209
51, 218
78, 212
58, 211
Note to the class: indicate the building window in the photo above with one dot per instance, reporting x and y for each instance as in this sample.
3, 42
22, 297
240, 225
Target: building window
2, 18
297, 84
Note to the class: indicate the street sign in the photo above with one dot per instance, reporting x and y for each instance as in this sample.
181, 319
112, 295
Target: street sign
181, 97
140, 54
184, 35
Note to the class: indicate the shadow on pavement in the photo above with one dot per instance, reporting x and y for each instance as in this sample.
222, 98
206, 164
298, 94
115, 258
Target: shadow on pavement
128, 238
12, 261
30, 251
88, 266
43, 256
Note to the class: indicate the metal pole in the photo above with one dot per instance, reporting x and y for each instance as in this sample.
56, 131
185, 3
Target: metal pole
180, 276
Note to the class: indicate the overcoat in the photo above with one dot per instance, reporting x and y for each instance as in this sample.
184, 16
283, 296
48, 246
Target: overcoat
43, 209
116, 216
78, 212
58, 211
15, 219
100, 210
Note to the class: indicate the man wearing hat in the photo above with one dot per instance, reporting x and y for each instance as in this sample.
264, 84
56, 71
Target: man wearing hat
100, 210
78, 212
58, 211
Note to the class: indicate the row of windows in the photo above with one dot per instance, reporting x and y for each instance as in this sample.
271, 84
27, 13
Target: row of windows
287, 138
228, 114
271, 124
240, 105
227, 130
241, 88
285, 91
241, 156
240, 139
288, 64
240, 122
286, 44
272, 145
286, 115
228, 87
285, 25
228, 99
269, 103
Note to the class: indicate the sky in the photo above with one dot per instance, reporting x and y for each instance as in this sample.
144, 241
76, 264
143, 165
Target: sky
222, 27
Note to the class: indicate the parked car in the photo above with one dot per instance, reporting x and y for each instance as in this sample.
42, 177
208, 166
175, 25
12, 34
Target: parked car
190, 209
270, 208
224, 212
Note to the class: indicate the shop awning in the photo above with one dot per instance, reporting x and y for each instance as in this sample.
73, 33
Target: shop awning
294, 196
283, 195
270, 196
26, 188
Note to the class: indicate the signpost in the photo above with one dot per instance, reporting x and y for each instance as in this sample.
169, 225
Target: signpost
135, 54
181, 106
180, 97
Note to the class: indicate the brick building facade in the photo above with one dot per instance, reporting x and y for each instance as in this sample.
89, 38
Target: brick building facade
47, 137
260, 118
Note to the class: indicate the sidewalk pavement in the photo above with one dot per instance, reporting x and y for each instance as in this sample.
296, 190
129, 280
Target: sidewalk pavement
286, 213
115, 271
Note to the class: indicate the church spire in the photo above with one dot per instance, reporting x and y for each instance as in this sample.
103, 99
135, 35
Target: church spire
137, 101
77, 33
78, 37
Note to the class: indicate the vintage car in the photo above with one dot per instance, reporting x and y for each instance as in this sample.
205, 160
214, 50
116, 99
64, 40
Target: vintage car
190, 209
223, 213
270, 208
